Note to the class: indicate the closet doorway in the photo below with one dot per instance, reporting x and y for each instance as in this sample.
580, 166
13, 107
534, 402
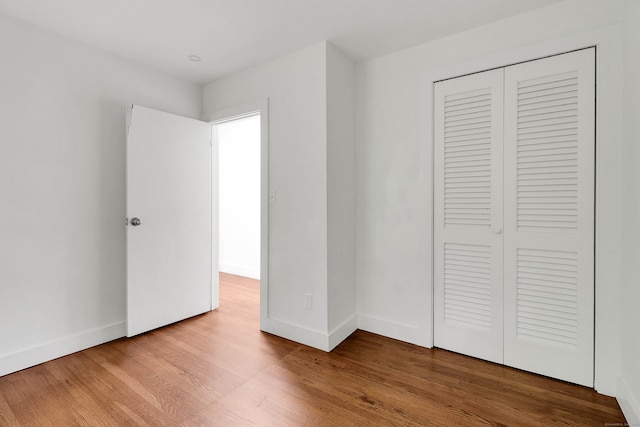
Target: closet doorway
514, 172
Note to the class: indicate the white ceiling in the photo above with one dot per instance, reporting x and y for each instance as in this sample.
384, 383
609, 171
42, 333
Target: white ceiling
230, 35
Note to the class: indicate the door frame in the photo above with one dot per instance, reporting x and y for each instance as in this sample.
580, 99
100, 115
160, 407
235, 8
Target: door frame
608, 63
510, 351
260, 107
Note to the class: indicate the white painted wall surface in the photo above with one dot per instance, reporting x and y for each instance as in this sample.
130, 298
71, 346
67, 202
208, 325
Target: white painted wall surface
62, 187
312, 172
296, 88
341, 194
62, 263
630, 375
394, 173
239, 196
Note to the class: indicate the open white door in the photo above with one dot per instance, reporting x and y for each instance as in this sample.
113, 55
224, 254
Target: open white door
169, 219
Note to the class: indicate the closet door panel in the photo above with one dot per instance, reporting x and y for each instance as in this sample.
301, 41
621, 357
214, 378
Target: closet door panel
468, 215
549, 216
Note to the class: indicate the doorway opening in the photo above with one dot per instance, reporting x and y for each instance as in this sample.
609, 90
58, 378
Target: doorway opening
237, 202
239, 197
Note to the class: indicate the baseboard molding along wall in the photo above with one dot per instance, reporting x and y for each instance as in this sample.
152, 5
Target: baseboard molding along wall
398, 331
312, 338
240, 270
27, 358
342, 332
629, 404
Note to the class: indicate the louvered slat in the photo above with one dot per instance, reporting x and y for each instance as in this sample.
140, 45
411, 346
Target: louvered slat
467, 159
467, 285
547, 296
513, 215
467, 152
547, 153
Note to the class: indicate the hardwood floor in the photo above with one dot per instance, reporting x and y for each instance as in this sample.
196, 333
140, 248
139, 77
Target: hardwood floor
218, 369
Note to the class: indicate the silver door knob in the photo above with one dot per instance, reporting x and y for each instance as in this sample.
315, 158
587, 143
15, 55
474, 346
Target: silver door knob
497, 230
135, 221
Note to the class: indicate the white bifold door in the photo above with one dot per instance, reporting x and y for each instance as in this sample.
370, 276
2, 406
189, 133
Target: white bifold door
169, 261
514, 171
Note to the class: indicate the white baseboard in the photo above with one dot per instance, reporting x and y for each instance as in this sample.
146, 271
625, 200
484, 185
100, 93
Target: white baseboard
29, 357
343, 331
628, 403
313, 338
398, 331
240, 270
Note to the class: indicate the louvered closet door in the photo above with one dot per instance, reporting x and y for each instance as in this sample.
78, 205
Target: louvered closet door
549, 216
468, 215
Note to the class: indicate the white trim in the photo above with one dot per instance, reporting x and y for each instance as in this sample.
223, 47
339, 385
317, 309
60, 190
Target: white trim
395, 330
628, 403
526, 53
426, 155
29, 357
607, 37
215, 222
240, 270
234, 113
342, 332
310, 337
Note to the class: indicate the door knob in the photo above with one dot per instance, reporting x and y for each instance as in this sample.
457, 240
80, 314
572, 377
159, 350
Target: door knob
497, 230
135, 221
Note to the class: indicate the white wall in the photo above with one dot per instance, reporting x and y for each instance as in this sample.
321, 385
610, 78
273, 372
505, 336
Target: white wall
296, 88
394, 165
239, 196
341, 204
62, 265
62, 189
630, 376
311, 170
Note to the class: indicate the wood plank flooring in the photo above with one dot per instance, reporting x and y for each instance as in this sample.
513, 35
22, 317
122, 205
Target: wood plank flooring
218, 369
